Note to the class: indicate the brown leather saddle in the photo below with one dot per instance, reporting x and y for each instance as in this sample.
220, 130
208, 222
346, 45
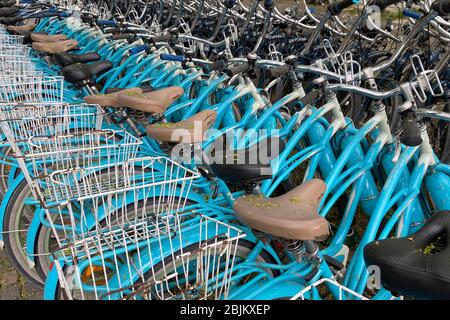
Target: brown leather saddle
293, 215
55, 47
22, 28
39, 37
151, 102
191, 130
290, 216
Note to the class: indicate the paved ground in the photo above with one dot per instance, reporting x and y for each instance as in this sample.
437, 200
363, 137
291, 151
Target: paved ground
12, 285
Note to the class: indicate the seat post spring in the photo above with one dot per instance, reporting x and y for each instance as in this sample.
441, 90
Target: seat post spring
296, 247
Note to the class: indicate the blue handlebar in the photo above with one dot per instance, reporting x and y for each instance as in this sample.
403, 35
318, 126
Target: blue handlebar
111, 23
140, 48
171, 57
65, 14
411, 14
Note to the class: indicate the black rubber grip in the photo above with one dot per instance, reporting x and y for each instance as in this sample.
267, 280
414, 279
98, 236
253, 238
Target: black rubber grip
145, 89
230, 3
442, 7
269, 4
382, 4
280, 71
7, 3
10, 20
411, 134
88, 17
217, 65
237, 69
163, 38
122, 36
336, 8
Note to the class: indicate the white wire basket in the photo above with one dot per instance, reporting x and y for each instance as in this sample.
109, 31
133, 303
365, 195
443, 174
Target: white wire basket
40, 156
14, 50
31, 89
17, 65
11, 40
344, 292
83, 202
191, 262
21, 121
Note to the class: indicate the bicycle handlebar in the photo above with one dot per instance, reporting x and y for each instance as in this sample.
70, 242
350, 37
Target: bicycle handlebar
336, 8
111, 23
382, 4
161, 38
172, 57
140, 48
411, 14
442, 7
280, 71
365, 92
232, 71
433, 114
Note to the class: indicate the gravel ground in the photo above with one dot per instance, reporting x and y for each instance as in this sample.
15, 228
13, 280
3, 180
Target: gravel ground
12, 285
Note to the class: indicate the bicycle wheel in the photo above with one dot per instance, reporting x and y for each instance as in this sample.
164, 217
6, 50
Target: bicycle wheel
243, 248
46, 241
4, 172
18, 216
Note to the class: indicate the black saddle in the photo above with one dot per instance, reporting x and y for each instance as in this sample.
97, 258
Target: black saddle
80, 72
145, 89
417, 266
7, 3
9, 11
241, 166
66, 59
10, 20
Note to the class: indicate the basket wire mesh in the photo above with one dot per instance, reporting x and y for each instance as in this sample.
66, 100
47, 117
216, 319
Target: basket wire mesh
11, 40
344, 293
31, 88
193, 261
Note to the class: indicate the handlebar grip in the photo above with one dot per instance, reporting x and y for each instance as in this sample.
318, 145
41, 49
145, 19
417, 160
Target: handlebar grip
121, 36
411, 14
411, 134
232, 71
138, 49
230, 3
269, 4
442, 7
280, 71
382, 4
162, 38
47, 14
171, 57
65, 14
111, 23
336, 8
217, 65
